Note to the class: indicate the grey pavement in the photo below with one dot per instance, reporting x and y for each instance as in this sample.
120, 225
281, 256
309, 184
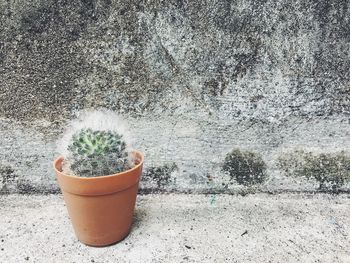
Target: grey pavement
186, 228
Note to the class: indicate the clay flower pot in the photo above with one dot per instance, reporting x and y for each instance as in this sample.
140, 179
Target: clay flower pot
101, 208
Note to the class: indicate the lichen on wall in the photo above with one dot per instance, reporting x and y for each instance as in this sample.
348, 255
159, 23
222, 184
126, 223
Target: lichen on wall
331, 171
246, 168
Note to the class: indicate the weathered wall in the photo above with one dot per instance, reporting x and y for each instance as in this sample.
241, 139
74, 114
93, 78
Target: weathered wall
222, 96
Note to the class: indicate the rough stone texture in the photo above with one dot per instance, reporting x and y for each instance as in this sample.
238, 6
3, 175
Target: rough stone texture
196, 80
186, 228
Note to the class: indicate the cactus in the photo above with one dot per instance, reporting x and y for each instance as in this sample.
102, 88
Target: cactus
97, 153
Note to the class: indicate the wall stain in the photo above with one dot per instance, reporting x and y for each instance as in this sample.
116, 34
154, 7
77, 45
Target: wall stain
331, 171
160, 175
27, 187
245, 167
215, 87
48, 60
8, 177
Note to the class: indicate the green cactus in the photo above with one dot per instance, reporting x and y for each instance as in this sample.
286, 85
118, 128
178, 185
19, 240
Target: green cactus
97, 153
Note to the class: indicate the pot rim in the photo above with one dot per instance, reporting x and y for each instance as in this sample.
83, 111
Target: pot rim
61, 158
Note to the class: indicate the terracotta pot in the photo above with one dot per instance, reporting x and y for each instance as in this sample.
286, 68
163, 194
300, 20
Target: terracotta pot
101, 208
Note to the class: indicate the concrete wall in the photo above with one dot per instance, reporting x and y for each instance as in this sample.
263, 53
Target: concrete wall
222, 96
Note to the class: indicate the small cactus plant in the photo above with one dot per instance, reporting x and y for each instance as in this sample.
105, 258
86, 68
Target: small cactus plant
97, 153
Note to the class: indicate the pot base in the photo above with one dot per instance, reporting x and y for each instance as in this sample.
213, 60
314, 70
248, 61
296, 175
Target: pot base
102, 220
107, 244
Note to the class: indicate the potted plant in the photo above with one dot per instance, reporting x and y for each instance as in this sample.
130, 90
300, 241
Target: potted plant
98, 175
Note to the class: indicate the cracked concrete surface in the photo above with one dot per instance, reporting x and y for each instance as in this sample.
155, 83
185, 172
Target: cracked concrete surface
186, 228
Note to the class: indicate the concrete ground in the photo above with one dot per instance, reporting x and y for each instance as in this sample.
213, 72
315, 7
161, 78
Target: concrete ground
187, 228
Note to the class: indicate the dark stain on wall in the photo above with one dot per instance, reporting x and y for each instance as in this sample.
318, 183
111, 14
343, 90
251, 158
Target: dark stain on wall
331, 171
27, 187
159, 175
332, 63
8, 178
42, 62
215, 87
245, 167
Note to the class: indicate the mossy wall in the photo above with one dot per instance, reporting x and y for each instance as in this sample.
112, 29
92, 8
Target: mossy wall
215, 92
